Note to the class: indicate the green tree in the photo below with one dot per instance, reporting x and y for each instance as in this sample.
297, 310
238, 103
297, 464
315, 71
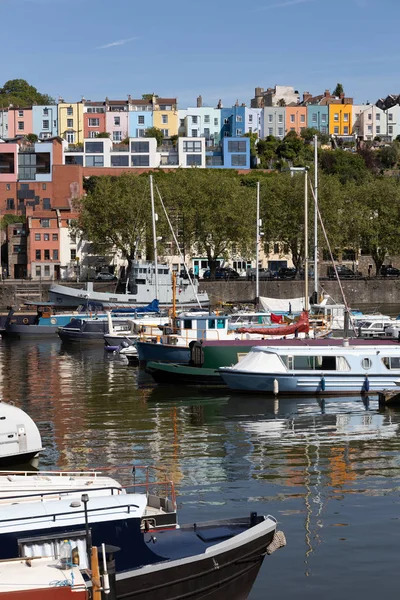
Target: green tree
389, 155
308, 133
347, 165
338, 91
115, 214
103, 134
19, 92
216, 209
154, 132
8, 219
31, 137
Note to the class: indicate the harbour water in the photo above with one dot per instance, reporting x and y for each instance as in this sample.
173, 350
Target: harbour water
328, 471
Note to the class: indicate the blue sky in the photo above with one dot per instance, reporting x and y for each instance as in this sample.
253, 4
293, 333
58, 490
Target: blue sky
217, 48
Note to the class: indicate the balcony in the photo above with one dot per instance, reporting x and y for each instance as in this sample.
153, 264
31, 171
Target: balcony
120, 148
74, 148
27, 148
169, 161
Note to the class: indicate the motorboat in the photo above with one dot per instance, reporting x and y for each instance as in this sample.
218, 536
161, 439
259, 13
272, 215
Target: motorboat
371, 328
140, 290
150, 554
20, 440
324, 370
137, 326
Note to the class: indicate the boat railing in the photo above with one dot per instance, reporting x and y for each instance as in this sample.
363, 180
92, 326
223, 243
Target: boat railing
166, 485
60, 494
46, 474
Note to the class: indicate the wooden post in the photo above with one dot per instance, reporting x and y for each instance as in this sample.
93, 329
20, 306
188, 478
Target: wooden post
96, 581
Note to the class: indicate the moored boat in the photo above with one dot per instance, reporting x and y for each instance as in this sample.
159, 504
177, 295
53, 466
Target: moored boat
20, 440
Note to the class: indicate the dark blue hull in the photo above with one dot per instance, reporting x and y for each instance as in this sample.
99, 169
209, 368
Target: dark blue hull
148, 351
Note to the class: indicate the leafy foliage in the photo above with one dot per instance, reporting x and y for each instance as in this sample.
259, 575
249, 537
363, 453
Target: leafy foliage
154, 132
339, 90
19, 92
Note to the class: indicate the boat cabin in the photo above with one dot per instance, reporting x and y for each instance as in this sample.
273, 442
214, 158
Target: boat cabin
200, 326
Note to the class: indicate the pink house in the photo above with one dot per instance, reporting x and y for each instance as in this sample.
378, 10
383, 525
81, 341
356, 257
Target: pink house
20, 121
8, 164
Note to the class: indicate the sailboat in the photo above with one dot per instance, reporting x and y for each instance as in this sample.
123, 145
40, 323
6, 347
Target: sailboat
146, 281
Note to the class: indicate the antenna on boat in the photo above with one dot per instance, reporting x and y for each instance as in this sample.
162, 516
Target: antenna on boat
257, 245
316, 216
153, 219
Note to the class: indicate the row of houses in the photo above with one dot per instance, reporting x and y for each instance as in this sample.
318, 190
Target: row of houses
275, 111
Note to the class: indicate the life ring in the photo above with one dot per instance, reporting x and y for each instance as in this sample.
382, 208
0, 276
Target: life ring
53, 321
25, 321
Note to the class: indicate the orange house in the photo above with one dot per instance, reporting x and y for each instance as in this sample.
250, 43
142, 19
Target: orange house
296, 118
43, 245
94, 119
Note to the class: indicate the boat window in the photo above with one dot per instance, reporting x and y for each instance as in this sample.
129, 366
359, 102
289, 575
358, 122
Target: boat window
366, 363
187, 324
211, 323
342, 364
391, 362
49, 546
220, 323
303, 362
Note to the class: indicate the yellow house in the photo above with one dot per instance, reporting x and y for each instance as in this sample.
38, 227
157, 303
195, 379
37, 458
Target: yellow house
70, 121
165, 115
340, 119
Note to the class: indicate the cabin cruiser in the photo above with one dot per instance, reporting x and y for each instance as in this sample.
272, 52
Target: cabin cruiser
20, 440
324, 370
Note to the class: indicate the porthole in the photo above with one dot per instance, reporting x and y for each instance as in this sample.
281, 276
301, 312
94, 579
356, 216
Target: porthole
366, 363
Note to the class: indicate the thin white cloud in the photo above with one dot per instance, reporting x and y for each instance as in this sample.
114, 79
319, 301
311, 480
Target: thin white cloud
282, 4
117, 43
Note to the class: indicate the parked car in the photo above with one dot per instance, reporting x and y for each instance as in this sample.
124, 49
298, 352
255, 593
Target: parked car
287, 273
262, 274
389, 271
222, 273
105, 276
343, 271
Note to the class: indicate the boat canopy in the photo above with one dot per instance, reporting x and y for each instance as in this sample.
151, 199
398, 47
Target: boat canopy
283, 305
153, 307
262, 361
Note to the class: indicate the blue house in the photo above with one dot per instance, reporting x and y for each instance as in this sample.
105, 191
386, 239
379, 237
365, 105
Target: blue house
45, 121
139, 121
317, 117
233, 153
233, 121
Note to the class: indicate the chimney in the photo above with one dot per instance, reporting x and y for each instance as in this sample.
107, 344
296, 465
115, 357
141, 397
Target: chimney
129, 97
306, 97
219, 105
341, 96
237, 103
327, 94
199, 101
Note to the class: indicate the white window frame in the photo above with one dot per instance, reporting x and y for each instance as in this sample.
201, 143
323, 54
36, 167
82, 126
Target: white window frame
94, 122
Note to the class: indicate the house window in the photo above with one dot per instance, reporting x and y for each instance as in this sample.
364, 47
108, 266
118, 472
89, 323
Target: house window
270, 131
95, 161
117, 136
390, 129
215, 122
70, 111
250, 118
192, 146
369, 116
45, 124
120, 161
45, 222
323, 118
38, 255
369, 128
70, 137
194, 120
94, 147
21, 125
324, 130
94, 122
193, 160
140, 147
70, 122
47, 255
20, 113
280, 131
336, 117
117, 120
346, 117
314, 118
239, 131
207, 133
45, 112
44, 186
73, 254
54, 237
46, 237
280, 118
302, 118
336, 129
226, 121
276, 248
141, 119
239, 119
270, 118
237, 147
140, 160
46, 270
37, 237
8, 187
10, 203
345, 130
38, 271
292, 118
55, 254
378, 117
93, 134
206, 118
164, 119
194, 132
238, 160
46, 203
390, 116
378, 129
165, 132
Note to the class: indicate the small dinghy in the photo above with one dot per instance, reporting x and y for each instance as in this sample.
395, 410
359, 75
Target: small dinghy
20, 440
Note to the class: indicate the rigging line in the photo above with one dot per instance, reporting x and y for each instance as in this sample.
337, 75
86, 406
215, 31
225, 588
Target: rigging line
330, 252
179, 250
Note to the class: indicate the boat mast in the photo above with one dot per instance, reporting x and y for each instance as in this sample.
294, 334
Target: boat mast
257, 245
316, 217
153, 219
306, 238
